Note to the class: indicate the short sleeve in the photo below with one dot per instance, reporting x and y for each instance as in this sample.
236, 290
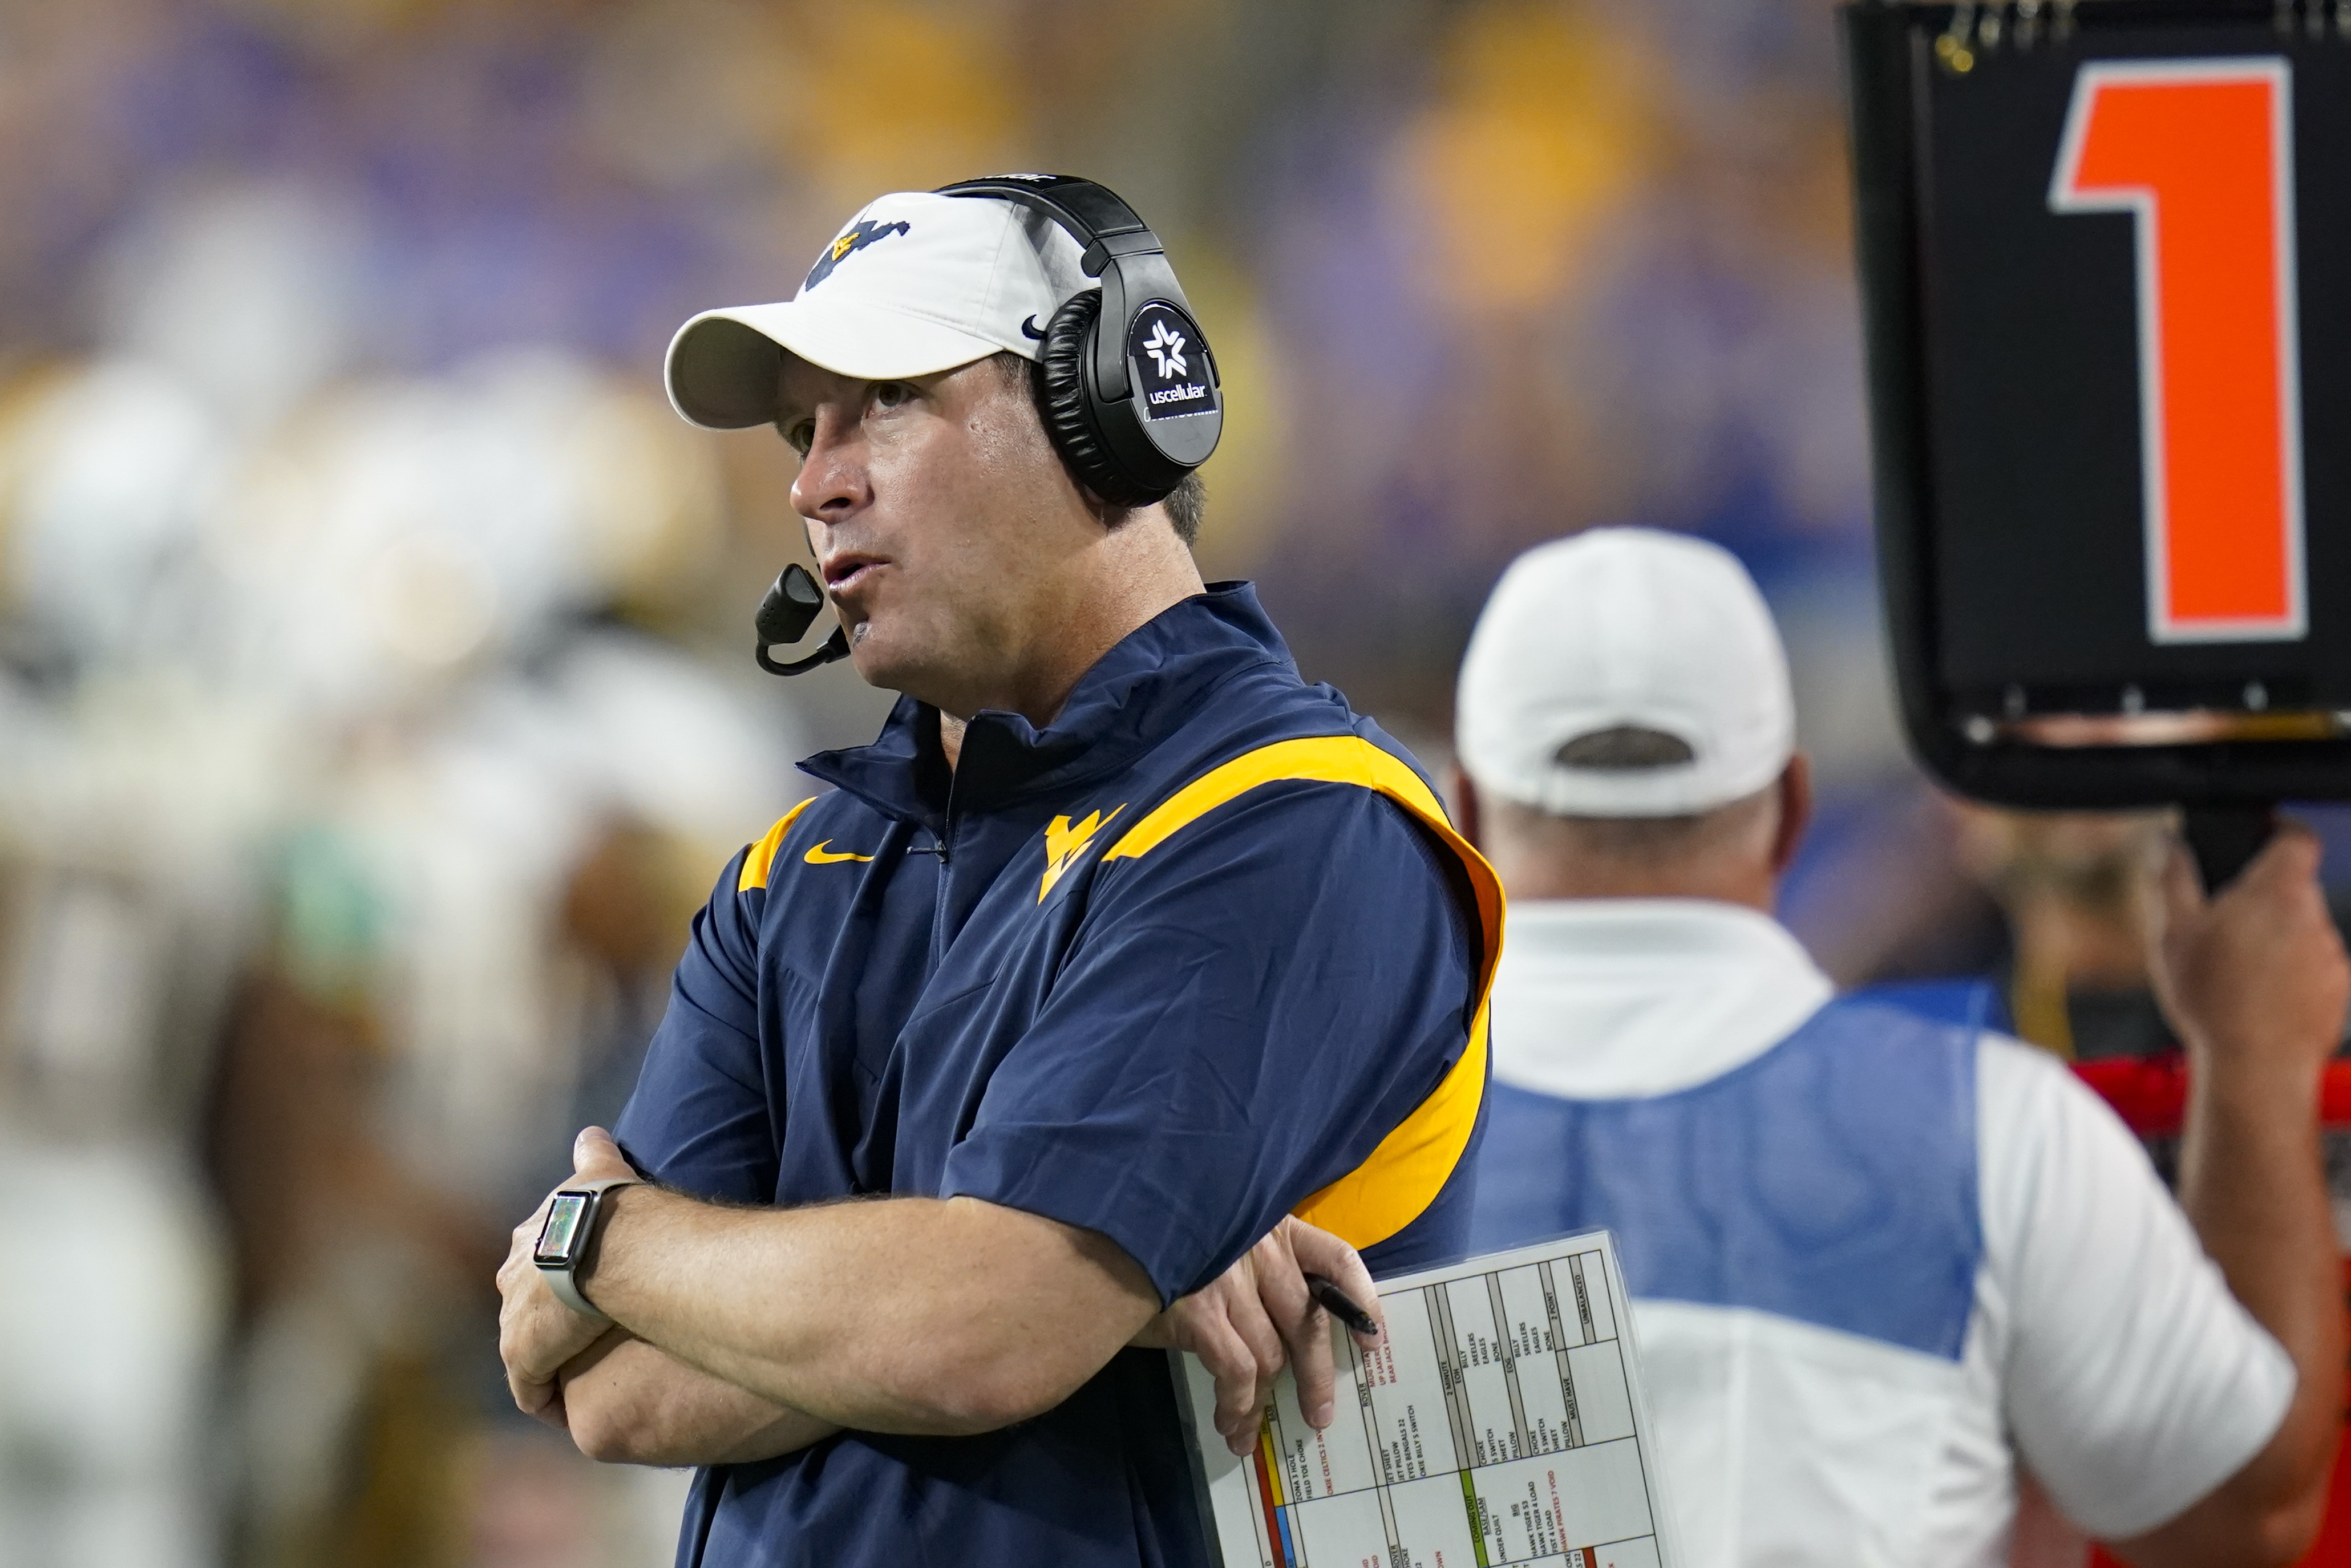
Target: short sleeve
2135, 1383
700, 1119
1246, 1011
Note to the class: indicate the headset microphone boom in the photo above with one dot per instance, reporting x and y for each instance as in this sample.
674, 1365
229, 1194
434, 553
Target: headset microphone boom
792, 604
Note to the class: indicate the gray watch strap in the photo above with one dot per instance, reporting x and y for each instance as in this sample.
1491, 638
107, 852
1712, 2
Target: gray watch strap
560, 1282
559, 1276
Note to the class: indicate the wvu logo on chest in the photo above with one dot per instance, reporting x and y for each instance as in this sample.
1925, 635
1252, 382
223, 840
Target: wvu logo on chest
1065, 840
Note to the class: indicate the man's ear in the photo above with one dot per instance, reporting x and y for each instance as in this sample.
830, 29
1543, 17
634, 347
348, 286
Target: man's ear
1461, 804
1795, 812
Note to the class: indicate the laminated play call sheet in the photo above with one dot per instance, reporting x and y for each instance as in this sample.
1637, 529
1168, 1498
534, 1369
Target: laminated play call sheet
1499, 1420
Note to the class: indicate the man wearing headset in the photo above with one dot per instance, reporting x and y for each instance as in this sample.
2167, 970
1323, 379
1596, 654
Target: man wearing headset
1120, 947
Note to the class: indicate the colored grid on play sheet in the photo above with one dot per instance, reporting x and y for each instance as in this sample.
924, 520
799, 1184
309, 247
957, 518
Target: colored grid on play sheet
1492, 1425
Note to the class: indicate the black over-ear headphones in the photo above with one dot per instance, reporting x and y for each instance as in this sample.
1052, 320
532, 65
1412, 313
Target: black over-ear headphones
1131, 413
1134, 409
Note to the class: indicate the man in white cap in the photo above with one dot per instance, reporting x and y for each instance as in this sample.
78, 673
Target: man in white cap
1120, 954
1878, 1264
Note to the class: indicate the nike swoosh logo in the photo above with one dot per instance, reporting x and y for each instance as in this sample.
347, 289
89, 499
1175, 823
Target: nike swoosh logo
818, 855
1031, 328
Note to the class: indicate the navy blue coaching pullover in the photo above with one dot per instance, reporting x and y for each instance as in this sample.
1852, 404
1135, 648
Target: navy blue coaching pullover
1201, 953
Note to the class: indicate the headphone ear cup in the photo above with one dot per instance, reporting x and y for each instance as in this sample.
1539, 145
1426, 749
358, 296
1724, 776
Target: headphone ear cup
1059, 381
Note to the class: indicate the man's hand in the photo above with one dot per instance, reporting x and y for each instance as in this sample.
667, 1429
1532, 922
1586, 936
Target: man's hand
2254, 978
536, 1333
1241, 1325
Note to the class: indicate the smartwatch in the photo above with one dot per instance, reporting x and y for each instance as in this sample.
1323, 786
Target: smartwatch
563, 1240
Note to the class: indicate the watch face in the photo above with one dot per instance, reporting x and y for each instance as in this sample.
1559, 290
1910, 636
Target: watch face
562, 1227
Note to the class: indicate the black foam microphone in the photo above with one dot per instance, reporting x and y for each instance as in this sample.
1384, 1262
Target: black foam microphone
785, 616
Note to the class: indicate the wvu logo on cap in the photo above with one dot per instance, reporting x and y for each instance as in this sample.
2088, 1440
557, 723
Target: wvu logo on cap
1064, 842
857, 239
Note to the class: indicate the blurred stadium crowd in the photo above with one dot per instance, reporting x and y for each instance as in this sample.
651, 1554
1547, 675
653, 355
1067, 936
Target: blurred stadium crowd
375, 705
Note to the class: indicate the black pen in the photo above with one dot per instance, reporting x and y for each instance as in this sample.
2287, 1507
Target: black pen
1336, 1301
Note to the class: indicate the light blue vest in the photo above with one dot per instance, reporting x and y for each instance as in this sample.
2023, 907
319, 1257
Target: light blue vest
1831, 1180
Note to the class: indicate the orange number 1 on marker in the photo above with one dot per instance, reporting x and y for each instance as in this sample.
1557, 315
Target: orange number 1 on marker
2202, 153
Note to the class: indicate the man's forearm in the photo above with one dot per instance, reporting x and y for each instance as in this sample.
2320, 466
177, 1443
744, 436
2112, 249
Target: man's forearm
905, 1315
627, 1402
2252, 1183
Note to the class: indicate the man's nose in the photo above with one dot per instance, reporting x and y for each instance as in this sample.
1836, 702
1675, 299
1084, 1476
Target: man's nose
831, 482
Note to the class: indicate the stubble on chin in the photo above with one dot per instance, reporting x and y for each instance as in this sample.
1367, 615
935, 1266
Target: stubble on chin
880, 663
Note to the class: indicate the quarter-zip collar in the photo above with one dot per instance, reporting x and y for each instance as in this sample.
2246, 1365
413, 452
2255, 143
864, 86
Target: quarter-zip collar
1145, 688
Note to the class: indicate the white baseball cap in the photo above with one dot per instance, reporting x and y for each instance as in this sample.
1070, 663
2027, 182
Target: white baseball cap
1625, 627
916, 283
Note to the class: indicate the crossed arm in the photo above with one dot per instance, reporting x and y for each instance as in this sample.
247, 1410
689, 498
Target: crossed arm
743, 1333
625, 1401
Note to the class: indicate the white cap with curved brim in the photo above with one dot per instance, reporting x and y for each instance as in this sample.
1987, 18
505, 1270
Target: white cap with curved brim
1625, 627
916, 283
